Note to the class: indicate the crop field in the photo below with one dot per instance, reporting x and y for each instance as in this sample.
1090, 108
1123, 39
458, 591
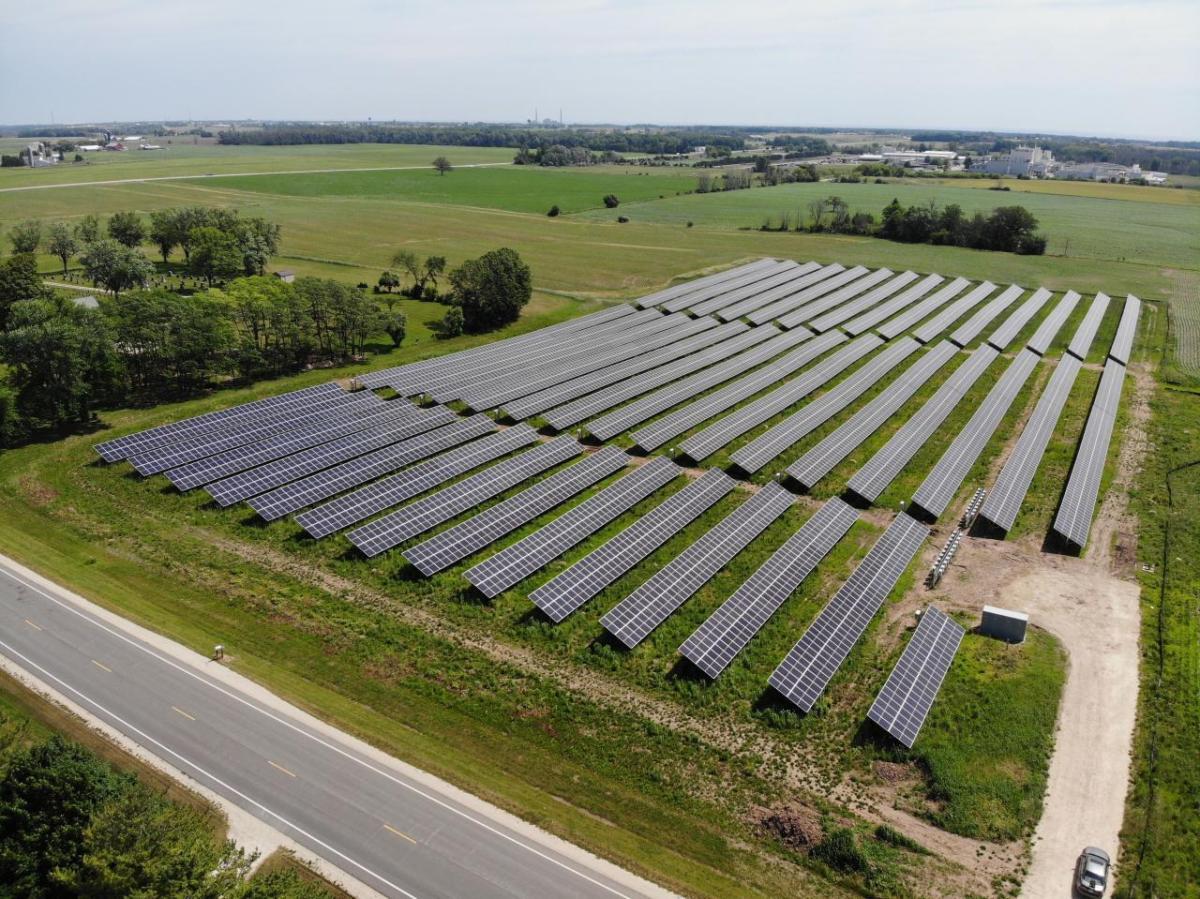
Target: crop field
629, 753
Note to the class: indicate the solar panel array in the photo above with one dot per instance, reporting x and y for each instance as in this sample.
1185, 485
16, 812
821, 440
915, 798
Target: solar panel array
729, 298
952, 313
1007, 332
670, 395
657, 299
869, 300
882, 468
566, 592
822, 458
725, 430
1044, 335
782, 436
1082, 341
910, 317
726, 632
873, 315
757, 276
906, 697
814, 308
633, 619
786, 304
775, 294
1074, 518
516, 562
481, 530
1122, 345
364, 502
940, 485
973, 327
394, 528
808, 668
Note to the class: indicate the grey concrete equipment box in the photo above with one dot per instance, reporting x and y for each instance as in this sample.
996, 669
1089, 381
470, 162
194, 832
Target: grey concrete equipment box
1003, 624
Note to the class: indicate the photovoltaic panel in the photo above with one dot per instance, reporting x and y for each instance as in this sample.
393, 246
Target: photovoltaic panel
593, 404
661, 296
516, 562
241, 458
908, 694
791, 288
566, 592
727, 298
813, 308
1004, 500
728, 630
539, 402
882, 468
392, 529
364, 502
939, 487
264, 477
822, 458
330, 481
1007, 332
670, 395
456, 543
632, 620
867, 320
1086, 333
1074, 518
911, 316
758, 276
808, 668
764, 314
720, 433
785, 434
948, 316
973, 327
1044, 335
1122, 344
870, 300
116, 449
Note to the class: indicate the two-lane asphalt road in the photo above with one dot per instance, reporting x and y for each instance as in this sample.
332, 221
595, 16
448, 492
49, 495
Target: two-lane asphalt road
403, 835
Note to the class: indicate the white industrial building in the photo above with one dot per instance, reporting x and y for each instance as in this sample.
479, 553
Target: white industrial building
1032, 162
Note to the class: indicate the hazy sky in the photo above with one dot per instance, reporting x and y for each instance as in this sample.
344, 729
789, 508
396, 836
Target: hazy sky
1122, 67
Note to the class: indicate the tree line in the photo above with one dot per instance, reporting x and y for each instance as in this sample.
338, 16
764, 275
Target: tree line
1009, 229
71, 826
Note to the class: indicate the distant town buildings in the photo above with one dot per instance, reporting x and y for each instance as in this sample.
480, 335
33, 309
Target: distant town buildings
1020, 162
38, 154
1028, 162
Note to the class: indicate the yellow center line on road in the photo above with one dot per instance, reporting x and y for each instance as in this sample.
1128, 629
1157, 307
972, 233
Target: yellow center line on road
399, 833
32, 625
281, 768
101, 666
182, 712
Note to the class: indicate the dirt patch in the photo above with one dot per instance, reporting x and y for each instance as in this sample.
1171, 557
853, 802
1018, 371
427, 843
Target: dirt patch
795, 826
896, 772
38, 493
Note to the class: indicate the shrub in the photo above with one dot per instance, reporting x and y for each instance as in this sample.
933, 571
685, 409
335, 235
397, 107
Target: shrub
451, 324
491, 289
622, 219
611, 201
840, 851
553, 213
885, 833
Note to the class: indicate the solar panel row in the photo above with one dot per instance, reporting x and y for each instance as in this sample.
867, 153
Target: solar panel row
585, 407
516, 562
1007, 332
873, 316
765, 275
456, 543
364, 502
948, 316
814, 308
807, 669
973, 327
785, 304
269, 475
1122, 345
673, 394
725, 430
910, 317
1082, 341
1074, 518
392, 529
660, 297
882, 468
1044, 335
566, 592
791, 288
632, 620
821, 459
1004, 500
785, 279
725, 633
908, 694
359, 469
940, 485
869, 300
782, 436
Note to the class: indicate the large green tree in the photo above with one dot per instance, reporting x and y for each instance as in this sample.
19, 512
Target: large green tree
19, 280
215, 254
26, 236
492, 289
88, 229
115, 267
62, 244
127, 228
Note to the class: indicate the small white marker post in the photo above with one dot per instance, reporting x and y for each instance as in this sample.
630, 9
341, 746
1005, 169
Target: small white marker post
218, 652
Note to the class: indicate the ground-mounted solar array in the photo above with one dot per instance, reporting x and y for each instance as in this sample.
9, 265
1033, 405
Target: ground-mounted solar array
764, 364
